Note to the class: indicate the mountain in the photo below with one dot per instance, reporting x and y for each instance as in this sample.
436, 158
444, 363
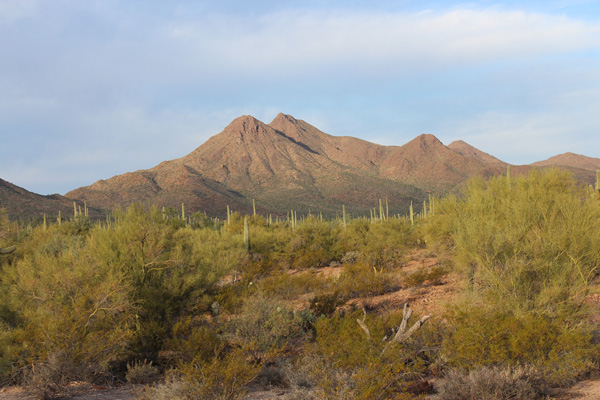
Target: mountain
21, 203
287, 164
290, 164
571, 160
467, 150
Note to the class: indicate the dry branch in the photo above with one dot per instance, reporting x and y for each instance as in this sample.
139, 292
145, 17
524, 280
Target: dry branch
6, 250
363, 325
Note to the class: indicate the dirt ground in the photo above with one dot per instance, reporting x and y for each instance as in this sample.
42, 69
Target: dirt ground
76, 391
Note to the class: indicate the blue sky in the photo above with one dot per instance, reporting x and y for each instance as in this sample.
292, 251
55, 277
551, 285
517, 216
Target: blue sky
91, 89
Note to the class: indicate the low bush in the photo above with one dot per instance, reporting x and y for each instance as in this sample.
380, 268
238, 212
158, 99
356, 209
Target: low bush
484, 336
265, 323
378, 245
362, 280
289, 286
313, 244
433, 275
490, 383
346, 363
142, 372
326, 304
48, 380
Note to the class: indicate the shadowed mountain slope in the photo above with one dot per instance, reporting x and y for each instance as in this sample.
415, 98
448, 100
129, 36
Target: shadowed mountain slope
21, 203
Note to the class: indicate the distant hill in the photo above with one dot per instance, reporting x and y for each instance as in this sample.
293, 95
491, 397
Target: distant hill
21, 203
290, 164
571, 160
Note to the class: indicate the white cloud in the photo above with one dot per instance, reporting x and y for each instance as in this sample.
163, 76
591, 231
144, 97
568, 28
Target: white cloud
288, 43
520, 138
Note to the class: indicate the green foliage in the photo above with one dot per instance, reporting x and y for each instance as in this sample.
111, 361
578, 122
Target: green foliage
531, 243
288, 286
265, 324
344, 363
362, 280
224, 377
485, 336
171, 270
379, 245
192, 343
326, 304
313, 244
417, 278
63, 302
81, 299
529, 249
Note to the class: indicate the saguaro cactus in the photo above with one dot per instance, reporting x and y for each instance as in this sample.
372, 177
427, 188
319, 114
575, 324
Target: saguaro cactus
246, 235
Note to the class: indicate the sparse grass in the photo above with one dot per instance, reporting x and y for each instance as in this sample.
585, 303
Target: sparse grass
489, 383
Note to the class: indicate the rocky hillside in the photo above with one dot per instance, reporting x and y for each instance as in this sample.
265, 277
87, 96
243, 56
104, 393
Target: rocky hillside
21, 203
290, 164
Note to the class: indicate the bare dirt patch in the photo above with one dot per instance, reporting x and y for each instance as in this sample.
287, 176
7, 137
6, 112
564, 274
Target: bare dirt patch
75, 391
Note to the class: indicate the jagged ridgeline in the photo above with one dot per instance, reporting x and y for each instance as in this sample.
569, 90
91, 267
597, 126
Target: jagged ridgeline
289, 164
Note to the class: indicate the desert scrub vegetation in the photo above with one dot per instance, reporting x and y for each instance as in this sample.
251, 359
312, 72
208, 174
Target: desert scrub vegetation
528, 249
200, 310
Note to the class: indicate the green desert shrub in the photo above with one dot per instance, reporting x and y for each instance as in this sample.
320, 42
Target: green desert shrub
313, 244
289, 286
433, 275
485, 336
379, 245
63, 302
192, 342
265, 323
529, 249
531, 242
345, 363
362, 280
172, 272
326, 304
224, 377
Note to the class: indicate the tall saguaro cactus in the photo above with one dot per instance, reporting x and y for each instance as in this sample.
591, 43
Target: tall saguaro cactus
246, 235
